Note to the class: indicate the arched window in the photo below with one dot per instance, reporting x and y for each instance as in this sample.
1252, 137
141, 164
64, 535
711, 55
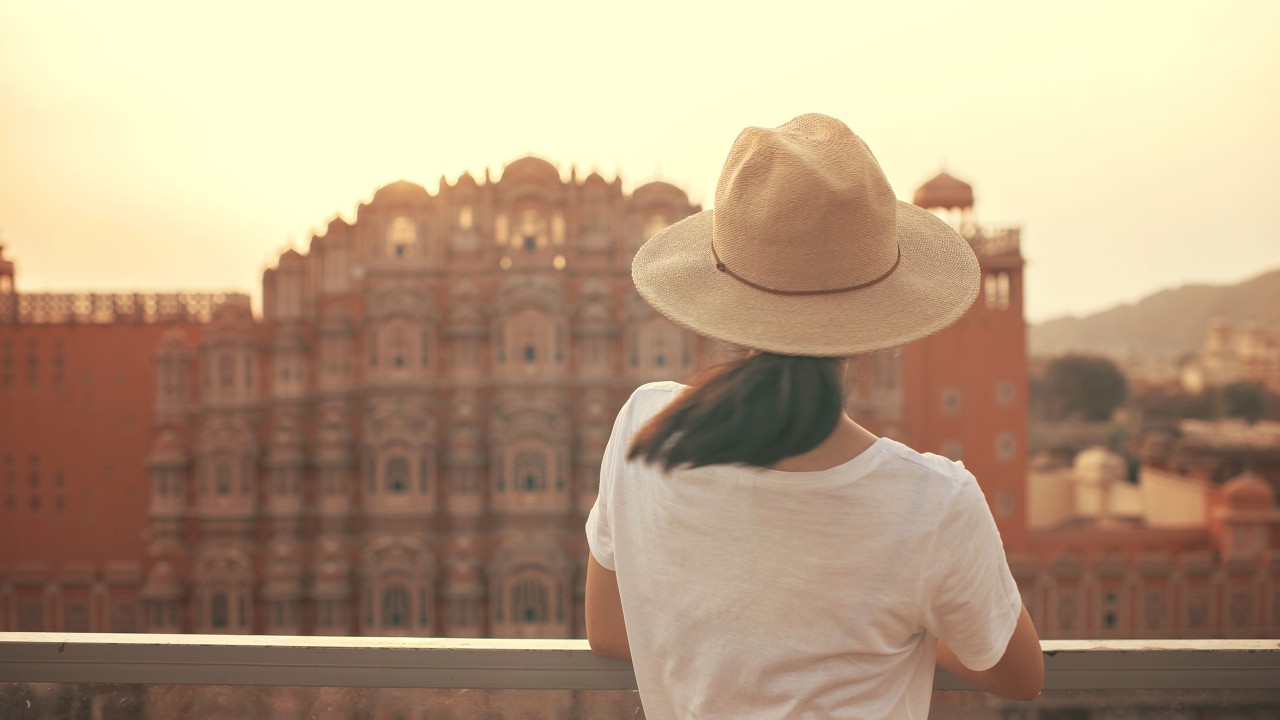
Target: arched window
219, 611
500, 229
398, 350
597, 225
660, 348
401, 237
996, 290
531, 337
1153, 609
1067, 610
530, 470
222, 478
529, 602
166, 376
396, 475
532, 232
226, 369
395, 607
557, 229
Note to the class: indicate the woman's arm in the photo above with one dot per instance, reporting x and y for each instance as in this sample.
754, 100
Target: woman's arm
1019, 675
606, 631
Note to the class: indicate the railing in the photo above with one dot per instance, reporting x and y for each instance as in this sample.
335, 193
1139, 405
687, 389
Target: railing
545, 664
991, 242
1140, 668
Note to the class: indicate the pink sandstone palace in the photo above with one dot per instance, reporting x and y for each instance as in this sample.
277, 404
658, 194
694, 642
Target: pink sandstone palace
406, 441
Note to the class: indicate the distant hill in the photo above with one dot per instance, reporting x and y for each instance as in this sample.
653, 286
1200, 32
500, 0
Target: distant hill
1168, 323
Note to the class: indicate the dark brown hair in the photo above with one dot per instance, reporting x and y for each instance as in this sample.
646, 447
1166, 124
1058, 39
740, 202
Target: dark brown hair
756, 411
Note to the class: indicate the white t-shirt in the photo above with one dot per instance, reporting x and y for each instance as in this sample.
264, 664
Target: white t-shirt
754, 593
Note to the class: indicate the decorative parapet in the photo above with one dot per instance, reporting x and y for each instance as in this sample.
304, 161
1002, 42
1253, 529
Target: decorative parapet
993, 242
104, 308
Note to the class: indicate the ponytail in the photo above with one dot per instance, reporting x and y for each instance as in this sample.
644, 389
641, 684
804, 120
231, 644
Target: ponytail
754, 411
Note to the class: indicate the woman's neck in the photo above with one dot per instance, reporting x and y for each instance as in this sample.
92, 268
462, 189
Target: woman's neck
847, 441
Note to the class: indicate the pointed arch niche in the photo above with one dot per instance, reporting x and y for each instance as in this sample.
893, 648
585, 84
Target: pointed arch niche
227, 470
401, 341
223, 600
529, 589
400, 468
530, 331
530, 467
657, 349
398, 587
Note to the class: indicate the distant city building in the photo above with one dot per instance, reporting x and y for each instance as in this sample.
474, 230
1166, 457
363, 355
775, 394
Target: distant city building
1233, 354
1182, 551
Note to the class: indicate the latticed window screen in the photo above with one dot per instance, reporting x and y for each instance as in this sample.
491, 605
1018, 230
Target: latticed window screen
529, 602
401, 237
396, 474
395, 607
531, 470
219, 610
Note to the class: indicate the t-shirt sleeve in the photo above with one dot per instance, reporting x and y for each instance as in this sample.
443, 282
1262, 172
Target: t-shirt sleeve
971, 600
599, 521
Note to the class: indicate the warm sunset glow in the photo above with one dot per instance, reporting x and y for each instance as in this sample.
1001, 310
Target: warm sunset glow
159, 146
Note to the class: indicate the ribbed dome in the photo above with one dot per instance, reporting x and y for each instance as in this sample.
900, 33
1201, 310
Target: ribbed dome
400, 191
531, 168
1249, 491
944, 191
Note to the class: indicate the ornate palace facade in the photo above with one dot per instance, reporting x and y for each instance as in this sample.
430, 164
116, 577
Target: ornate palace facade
408, 441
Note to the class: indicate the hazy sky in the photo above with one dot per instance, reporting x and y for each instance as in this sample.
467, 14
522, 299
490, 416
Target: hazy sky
149, 145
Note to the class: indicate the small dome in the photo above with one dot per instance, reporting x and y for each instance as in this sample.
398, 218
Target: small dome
944, 191
1249, 491
532, 168
400, 191
657, 192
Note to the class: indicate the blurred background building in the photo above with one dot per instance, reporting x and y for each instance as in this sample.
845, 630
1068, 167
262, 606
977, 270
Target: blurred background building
406, 439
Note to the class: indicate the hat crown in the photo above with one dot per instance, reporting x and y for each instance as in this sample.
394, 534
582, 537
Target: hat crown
804, 207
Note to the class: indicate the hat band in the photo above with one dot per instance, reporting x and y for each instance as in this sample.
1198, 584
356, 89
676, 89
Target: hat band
725, 269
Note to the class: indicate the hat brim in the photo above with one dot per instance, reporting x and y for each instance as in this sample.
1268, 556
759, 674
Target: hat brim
936, 281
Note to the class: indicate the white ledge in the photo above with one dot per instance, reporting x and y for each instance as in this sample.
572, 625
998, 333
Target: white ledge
373, 662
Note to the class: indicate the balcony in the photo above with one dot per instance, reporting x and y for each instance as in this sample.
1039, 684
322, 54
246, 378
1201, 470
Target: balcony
112, 676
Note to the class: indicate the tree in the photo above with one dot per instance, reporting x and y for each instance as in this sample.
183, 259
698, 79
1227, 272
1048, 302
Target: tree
1246, 400
1082, 387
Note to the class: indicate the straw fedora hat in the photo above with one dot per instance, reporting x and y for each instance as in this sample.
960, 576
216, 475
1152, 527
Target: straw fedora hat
808, 252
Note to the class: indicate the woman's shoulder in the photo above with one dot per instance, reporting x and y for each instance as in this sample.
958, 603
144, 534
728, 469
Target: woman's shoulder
648, 399
928, 466
645, 402
661, 387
